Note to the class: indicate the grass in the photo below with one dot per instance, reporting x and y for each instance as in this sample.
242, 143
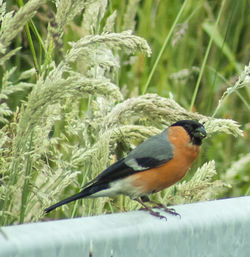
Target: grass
78, 91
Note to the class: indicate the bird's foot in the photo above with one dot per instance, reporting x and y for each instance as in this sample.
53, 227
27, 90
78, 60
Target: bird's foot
150, 210
166, 209
153, 213
171, 211
157, 214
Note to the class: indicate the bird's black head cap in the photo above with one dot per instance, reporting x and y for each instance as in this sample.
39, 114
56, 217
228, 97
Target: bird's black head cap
195, 130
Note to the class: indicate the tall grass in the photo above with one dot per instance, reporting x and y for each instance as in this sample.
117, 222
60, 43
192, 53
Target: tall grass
83, 84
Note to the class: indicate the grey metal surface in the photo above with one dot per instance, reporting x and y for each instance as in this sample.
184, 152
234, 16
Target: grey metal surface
217, 228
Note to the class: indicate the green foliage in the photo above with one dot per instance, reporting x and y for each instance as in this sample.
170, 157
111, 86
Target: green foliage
78, 92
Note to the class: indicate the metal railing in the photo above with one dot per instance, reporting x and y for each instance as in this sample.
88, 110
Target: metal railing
215, 228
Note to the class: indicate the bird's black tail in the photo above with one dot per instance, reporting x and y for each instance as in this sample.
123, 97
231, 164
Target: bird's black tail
84, 193
65, 201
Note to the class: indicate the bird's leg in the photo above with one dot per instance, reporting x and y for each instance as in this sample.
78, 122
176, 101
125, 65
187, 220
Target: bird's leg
150, 210
161, 206
145, 198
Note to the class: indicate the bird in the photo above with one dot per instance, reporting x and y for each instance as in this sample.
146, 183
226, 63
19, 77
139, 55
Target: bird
155, 164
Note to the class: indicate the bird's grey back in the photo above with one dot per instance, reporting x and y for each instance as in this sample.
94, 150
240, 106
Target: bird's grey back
156, 149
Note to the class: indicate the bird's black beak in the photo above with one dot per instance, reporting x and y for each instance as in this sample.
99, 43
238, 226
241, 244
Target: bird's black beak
200, 132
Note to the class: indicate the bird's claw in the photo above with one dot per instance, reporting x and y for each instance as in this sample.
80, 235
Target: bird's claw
153, 213
168, 210
171, 211
157, 214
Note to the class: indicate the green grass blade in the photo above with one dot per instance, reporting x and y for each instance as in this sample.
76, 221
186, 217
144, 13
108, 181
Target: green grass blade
144, 90
32, 48
215, 35
26, 188
205, 61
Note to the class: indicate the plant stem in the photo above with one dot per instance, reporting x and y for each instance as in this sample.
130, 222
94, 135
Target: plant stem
164, 47
205, 61
32, 48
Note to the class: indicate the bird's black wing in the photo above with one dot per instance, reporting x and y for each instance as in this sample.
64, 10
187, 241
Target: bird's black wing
152, 153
